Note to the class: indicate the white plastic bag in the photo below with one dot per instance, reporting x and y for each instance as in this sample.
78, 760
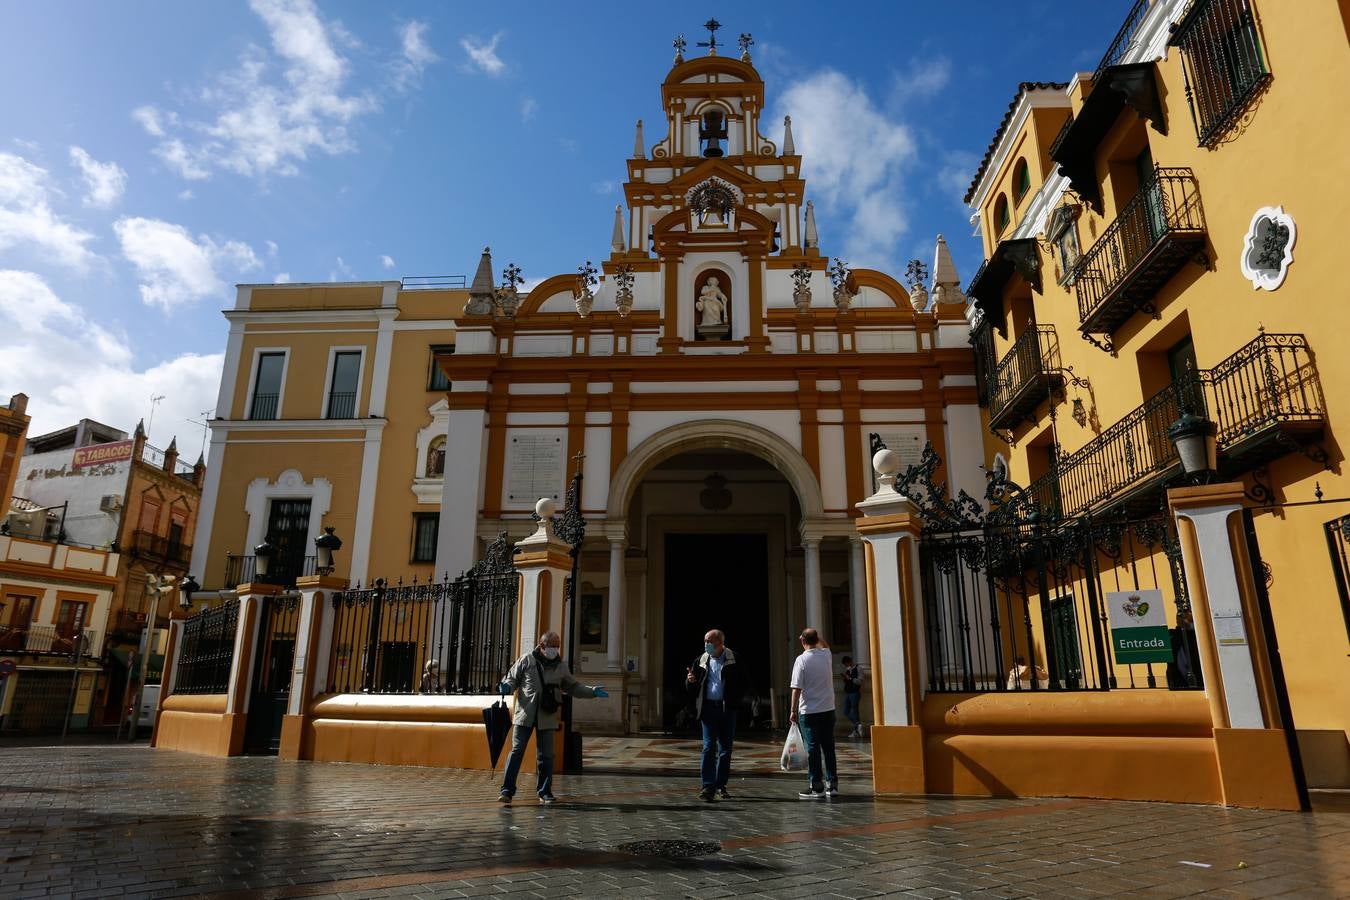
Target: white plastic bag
794, 751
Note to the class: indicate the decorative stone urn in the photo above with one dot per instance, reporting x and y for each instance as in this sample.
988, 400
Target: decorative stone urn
801, 288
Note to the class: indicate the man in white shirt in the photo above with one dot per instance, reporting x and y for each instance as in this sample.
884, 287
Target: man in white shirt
813, 711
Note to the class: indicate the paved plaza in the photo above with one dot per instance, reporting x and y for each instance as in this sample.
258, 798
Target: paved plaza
116, 820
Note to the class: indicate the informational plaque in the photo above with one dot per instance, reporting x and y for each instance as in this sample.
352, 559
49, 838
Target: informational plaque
907, 440
534, 466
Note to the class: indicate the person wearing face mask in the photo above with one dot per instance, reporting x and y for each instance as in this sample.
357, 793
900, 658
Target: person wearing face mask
539, 679
716, 683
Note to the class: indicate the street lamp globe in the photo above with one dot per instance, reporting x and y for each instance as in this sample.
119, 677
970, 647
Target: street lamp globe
262, 556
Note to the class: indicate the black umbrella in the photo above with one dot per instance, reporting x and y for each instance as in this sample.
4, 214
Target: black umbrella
497, 722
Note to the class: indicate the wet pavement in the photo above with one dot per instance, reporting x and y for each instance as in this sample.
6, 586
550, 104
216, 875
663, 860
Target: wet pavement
117, 820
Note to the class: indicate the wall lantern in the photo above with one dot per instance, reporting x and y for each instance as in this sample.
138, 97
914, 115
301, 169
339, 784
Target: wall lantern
1194, 438
262, 556
325, 545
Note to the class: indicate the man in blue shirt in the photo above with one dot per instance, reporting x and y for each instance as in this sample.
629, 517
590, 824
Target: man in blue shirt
716, 682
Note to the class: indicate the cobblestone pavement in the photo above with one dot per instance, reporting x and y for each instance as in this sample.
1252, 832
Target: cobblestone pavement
113, 820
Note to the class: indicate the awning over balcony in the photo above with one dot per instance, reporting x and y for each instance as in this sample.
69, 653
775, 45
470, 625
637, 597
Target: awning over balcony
1075, 149
986, 288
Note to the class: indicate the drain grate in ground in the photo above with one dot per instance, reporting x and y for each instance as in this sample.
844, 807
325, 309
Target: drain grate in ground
670, 849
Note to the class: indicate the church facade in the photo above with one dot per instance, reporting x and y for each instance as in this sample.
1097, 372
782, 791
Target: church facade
715, 380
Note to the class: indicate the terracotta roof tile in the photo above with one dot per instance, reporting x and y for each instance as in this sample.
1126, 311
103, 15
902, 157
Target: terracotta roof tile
1022, 88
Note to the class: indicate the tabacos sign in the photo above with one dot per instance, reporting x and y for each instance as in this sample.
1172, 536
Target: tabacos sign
99, 454
1139, 631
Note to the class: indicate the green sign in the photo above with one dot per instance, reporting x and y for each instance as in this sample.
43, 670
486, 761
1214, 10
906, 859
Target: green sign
1139, 630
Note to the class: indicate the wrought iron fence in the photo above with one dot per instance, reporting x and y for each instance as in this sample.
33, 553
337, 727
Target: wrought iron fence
1034, 357
385, 636
147, 543
1223, 65
433, 282
1015, 600
283, 569
1166, 204
208, 650
342, 405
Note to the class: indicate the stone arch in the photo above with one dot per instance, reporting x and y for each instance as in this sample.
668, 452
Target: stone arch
715, 433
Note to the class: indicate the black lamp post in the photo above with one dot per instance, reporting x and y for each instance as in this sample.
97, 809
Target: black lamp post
325, 545
1195, 439
186, 588
262, 558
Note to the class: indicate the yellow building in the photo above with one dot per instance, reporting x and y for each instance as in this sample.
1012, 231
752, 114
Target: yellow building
1161, 238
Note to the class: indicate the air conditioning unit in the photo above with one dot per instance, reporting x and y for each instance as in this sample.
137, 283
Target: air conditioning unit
110, 503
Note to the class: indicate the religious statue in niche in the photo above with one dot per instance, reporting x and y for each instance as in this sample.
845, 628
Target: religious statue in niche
713, 306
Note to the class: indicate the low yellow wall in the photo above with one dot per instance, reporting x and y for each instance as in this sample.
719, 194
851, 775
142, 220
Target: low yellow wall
440, 731
1145, 745
198, 723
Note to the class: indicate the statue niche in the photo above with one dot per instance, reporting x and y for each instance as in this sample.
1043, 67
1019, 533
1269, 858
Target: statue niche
712, 306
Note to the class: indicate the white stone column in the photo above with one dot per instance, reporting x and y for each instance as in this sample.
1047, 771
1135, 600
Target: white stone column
815, 615
857, 593
618, 543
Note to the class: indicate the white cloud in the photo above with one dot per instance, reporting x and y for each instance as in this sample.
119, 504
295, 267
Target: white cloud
27, 219
87, 370
273, 110
173, 268
186, 194
417, 55
341, 271
604, 188
272, 248
387, 261
953, 177
282, 278
528, 107
106, 181
923, 78
484, 56
854, 158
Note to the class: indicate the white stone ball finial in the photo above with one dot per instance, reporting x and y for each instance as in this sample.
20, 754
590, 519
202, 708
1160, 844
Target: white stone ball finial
886, 463
545, 508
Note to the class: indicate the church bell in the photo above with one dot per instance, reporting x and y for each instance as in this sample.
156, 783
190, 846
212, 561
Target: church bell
712, 132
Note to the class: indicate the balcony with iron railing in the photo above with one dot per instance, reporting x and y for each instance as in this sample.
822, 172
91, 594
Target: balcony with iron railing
47, 640
153, 456
283, 569
1265, 400
155, 546
264, 406
342, 405
1029, 373
1154, 235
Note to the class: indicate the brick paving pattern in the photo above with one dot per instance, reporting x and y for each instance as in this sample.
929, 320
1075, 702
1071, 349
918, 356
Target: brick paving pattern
127, 821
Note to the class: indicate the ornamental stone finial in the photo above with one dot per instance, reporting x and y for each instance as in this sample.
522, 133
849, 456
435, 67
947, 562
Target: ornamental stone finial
679, 44
812, 238
789, 148
616, 241
482, 293
639, 148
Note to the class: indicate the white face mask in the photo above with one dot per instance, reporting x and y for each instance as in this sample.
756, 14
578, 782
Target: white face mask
550, 653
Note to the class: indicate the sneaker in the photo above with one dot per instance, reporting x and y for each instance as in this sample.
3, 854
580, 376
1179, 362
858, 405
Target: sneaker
722, 792
504, 798
706, 795
547, 799
832, 790
811, 794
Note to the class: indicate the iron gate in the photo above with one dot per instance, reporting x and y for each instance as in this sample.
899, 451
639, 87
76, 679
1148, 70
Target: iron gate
208, 650
385, 636
1014, 598
278, 623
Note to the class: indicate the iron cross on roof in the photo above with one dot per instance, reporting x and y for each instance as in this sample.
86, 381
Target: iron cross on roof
711, 43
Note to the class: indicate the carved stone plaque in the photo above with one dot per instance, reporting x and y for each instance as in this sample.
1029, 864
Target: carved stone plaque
534, 466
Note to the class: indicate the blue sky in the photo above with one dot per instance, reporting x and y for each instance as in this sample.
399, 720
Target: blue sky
154, 154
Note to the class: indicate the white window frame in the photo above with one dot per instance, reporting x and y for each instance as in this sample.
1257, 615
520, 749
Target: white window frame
253, 380
328, 379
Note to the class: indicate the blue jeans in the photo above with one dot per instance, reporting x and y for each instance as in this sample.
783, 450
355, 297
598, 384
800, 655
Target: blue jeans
851, 703
818, 735
543, 748
719, 730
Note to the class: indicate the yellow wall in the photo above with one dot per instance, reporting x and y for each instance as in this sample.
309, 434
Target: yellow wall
1288, 149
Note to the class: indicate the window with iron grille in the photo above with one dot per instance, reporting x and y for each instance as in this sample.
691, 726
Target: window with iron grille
1222, 63
1338, 543
438, 380
426, 527
342, 390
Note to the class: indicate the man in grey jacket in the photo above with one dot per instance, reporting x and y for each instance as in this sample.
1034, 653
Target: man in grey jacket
539, 679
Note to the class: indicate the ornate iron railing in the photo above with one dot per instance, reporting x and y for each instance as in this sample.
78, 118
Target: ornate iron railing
1267, 387
208, 650
153, 456
1166, 205
1033, 359
1124, 40
385, 636
1223, 65
433, 282
283, 569
982, 340
47, 640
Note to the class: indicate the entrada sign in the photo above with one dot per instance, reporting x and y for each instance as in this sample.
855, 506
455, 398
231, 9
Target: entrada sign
1139, 631
102, 453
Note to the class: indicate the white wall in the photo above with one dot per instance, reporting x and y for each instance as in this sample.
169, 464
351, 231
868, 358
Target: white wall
50, 479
